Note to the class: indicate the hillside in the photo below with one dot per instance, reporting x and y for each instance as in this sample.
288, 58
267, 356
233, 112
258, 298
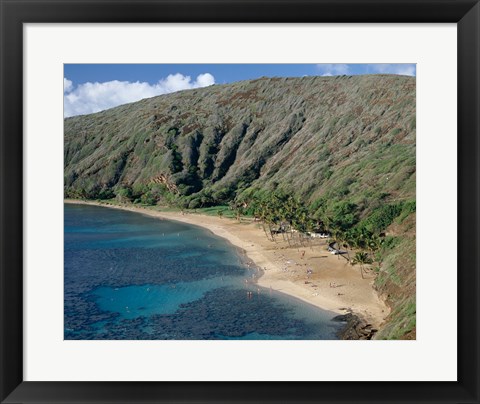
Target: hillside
316, 135
344, 146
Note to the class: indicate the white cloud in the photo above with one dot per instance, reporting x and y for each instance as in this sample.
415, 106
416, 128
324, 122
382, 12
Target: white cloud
394, 68
93, 97
333, 69
67, 85
204, 80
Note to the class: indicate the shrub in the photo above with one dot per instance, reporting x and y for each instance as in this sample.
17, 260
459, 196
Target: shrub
123, 194
408, 208
342, 215
381, 218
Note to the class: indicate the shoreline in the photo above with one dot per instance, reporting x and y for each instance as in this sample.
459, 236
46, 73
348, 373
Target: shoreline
285, 269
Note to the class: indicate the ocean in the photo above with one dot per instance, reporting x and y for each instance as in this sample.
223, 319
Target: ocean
128, 276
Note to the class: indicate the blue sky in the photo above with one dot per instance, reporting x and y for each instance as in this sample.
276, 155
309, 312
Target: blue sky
94, 87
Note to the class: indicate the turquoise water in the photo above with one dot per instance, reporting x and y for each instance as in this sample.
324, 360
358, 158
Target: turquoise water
130, 276
133, 301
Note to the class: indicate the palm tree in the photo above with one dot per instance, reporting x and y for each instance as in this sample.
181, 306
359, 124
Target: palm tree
289, 215
375, 243
362, 259
341, 237
262, 212
300, 223
238, 207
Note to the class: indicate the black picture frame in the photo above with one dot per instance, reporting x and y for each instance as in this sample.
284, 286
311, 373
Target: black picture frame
14, 13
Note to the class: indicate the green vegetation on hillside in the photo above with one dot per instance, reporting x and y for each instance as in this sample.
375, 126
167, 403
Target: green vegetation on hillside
396, 281
311, 154
331, 137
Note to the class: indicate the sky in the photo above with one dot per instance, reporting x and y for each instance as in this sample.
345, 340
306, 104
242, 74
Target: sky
91, 88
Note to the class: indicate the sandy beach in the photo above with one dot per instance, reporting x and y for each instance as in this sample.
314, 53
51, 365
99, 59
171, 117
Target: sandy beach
311, 274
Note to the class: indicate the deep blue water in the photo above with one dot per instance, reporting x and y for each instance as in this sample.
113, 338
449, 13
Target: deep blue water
130, 276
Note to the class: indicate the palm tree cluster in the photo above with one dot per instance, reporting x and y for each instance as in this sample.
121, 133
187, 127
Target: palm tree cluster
282, 214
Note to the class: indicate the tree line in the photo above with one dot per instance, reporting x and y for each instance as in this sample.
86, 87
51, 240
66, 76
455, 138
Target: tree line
284, 215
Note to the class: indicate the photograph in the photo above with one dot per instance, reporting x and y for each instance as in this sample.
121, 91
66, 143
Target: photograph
239, 201
217, 201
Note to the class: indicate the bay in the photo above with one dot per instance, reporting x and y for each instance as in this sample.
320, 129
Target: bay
129, 276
